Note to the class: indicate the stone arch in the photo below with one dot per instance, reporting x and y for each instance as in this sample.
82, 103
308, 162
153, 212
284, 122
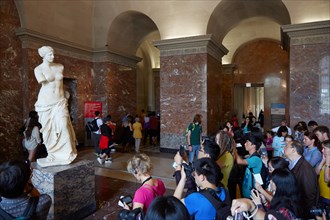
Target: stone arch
129, 30
228, 14
263, 61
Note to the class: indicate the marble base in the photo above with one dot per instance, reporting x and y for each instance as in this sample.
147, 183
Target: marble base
171, 141
71, 187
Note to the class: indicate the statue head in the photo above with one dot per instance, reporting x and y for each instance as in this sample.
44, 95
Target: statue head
45, 50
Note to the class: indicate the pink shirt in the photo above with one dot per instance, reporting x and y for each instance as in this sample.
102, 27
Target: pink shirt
146, 193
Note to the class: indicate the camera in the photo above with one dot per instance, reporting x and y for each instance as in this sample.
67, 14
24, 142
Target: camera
135, 214
318, 211
188, 169
125, 200
237, 216
205, 138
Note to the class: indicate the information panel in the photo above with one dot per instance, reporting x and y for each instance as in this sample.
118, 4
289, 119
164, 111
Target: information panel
91, 107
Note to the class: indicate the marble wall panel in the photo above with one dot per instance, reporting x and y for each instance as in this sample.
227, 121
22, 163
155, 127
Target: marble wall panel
310, 83
118, 84
182, 95
214, 100
263, 61
11, 78
227, 97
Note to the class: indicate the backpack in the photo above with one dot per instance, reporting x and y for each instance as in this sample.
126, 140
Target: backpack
222, 208
264, 173
28, 212
187, 130
93, 125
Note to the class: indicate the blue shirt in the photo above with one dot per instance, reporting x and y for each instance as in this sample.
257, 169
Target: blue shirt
313, 156
278, 146
255, 163
200, 207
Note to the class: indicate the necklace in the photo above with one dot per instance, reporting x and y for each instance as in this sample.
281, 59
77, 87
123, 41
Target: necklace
146, 180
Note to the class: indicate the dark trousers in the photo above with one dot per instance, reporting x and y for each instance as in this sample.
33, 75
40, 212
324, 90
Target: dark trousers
96, 142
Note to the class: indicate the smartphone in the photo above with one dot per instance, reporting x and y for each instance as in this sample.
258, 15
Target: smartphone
127, 200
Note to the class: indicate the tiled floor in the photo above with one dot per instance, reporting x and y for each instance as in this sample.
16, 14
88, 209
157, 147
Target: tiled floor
113, 180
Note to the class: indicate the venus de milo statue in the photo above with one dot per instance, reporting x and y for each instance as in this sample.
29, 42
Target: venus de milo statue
57, 131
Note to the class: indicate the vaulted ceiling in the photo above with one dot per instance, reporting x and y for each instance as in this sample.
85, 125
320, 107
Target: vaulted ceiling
127, 25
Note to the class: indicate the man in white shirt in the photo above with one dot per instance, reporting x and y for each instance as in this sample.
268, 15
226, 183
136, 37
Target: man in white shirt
283, 123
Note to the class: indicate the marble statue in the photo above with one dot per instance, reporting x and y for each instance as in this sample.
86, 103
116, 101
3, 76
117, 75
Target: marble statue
52, 107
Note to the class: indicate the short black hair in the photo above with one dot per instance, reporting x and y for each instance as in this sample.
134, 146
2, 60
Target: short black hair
278, 162
211, 148
14, 176
210, 169
166, 208
280, 130
97, 113
312, 123
33, 114
322, 129
256, 139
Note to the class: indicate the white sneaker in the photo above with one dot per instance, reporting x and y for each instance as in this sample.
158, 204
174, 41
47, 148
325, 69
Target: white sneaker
100, 160
108, 161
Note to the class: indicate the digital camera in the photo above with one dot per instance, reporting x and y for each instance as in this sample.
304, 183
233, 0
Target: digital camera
135, 214
125, 200
205, 138
237, 216
318, 211
188, 169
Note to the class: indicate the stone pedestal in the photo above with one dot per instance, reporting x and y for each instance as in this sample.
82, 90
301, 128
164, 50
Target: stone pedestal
72, 188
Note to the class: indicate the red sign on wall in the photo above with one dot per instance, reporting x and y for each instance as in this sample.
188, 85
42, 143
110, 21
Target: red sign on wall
91, 107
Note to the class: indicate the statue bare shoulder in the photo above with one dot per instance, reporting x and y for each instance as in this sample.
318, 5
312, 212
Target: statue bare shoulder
40, 70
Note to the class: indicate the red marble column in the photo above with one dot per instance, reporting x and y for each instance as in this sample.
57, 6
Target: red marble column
309, 81
190, 70
227, 92
11, 78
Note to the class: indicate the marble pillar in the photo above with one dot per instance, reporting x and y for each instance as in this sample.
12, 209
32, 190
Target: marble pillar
228, 92
190, 82
71, 187
309, 81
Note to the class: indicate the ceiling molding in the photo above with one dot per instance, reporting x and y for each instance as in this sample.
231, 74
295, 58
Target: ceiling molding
191, 45
116, 57
306, 33
228, 68
34, 40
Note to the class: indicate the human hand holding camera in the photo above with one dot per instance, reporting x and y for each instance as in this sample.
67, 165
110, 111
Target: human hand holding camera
241, 205
255, 196
125, 202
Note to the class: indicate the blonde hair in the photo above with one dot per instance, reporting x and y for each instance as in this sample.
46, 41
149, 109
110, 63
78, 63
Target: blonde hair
44, 50
139, 162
